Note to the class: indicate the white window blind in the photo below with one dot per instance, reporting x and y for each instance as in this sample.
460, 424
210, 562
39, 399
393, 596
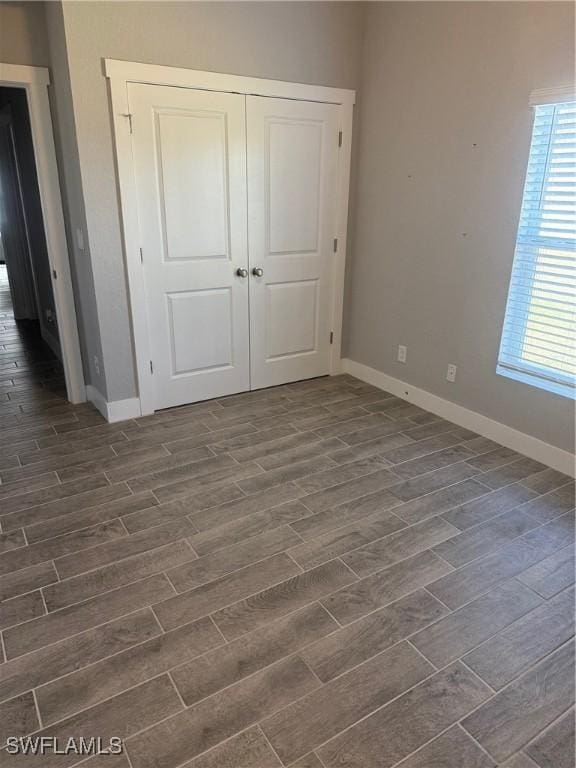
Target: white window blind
539, 335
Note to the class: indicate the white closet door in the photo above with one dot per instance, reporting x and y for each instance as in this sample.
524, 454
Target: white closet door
190, 167
292, 176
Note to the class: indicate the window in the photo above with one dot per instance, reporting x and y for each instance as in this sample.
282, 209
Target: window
538, 343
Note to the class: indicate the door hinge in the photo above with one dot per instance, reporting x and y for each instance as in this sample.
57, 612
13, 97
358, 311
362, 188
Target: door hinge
331, 337
339, 138
151, 367
335, 245
141, 256
54, 274
129, 116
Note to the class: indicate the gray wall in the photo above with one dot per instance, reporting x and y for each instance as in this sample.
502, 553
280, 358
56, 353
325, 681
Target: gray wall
302, 42
444, 137
32, 33
72, 197
23, 34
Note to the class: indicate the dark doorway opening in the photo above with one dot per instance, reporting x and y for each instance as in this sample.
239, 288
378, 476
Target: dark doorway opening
29, 339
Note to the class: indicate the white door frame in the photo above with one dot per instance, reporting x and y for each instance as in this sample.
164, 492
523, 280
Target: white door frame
120, 73
35, 82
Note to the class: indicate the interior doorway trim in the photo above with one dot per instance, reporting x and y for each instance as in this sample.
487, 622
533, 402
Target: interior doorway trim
120, 74
35, 81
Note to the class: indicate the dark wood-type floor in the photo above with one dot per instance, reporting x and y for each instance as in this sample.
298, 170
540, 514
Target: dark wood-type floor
314, 575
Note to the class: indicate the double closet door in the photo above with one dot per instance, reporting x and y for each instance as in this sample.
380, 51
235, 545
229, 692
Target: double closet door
236, 204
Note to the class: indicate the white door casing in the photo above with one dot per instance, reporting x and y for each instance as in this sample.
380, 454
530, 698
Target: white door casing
35, 81
190, 179
292, 192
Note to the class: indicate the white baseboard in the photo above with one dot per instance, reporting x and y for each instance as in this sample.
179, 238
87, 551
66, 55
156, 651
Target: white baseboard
115, 410
530, 446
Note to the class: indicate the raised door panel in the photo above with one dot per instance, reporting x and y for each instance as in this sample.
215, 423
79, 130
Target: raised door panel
190, 169
292, 172
295, 157
292, 317
204, 312
192, 184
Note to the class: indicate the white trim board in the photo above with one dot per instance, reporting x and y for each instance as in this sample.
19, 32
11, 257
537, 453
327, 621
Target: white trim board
553, 95
156, 74
115, 410
35, 81
120, 73
558, 459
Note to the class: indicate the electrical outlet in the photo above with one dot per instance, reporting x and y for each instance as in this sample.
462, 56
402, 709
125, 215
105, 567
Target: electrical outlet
451, 373
402, 352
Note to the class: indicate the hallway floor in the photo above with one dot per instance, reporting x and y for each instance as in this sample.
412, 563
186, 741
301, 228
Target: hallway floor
29, 370
319, 574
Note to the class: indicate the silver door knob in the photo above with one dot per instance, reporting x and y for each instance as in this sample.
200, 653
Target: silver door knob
242, 272
257, 271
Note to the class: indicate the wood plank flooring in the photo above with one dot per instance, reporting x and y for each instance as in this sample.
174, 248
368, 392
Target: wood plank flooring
318, 575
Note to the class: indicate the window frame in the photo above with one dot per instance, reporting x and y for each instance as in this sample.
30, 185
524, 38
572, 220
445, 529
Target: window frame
531, 373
